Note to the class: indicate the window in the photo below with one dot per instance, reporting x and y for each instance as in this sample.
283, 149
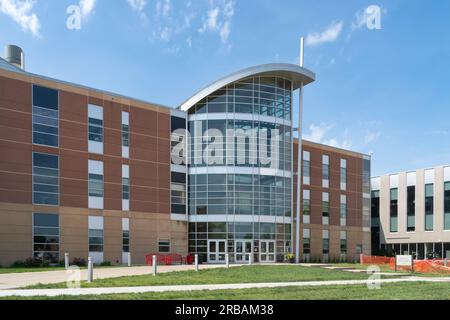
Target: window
343, 174
125, 187
46, 237
95, 240
95, 184
429, 207
126, 241
45, 116
325, 208
306, 167
45, 179
411, 209
306, 241
394, 210
178, 192
125, 236
447, 206
343, 242
343, 210
95, 129
125, 134
164, 246
95, 234
325, 171
326, 242
306, 206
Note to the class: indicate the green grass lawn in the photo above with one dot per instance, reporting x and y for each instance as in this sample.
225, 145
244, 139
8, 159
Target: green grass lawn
397, 291
244, 274
23, 270
43, 269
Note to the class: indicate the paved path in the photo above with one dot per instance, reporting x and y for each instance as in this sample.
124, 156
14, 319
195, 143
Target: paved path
124, 290
20, 280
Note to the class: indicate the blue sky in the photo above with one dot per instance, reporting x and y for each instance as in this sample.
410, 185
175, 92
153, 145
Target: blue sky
385, 92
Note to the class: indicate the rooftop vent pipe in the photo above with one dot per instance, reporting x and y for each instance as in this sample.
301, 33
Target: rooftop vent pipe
15, 56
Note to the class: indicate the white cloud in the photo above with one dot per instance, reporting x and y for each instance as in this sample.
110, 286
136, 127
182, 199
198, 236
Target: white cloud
371, 137
211, 22
218, 19
318, 134
21, 12
87, 6
163, 7
330, 34
189, 41
137, 5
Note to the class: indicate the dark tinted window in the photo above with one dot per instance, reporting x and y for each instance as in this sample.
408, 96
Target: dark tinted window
178, 123
178, 177
45, 97
46, 220
45, 160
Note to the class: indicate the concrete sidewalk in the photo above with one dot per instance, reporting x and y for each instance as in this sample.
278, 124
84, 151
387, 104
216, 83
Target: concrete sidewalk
20, 280
125, 290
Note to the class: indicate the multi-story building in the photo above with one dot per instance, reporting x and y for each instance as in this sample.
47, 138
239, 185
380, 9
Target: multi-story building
335, 208
93, 173
411, 213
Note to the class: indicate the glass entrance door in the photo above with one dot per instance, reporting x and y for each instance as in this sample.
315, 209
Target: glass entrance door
267, 251
242, 250
216, 251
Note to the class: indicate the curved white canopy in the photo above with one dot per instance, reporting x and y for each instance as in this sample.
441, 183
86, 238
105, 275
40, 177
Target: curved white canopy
292, 72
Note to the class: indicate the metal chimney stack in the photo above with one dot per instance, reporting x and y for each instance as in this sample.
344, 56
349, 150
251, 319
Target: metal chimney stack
15, 56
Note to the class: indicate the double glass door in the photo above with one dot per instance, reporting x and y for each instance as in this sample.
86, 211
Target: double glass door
267, 251
216, 251
242, 251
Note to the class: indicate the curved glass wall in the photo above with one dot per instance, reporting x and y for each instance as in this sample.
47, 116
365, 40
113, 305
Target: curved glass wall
240, 190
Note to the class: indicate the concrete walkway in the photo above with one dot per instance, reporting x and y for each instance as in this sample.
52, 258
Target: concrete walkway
125, 290
20, 280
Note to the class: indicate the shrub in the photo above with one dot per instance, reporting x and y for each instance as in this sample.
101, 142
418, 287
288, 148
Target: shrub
105, 264
29, 263
80, 262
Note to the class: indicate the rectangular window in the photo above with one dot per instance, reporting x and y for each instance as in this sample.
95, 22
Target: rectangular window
125, 134
96, 185
178, 192
96, 235
325, 171
411, 209
46, 237
306, 241
95, 129
325, 208
45, 116
326, 242
343, 174
125, 187
343, 242
447, 206
429, 207
164, 246
394, 210
306, 206
306, 167
343, 210
125, 239
45, 179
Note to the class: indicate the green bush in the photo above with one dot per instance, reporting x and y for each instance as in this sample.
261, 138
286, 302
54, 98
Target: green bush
105, 264
29, 263
80, 262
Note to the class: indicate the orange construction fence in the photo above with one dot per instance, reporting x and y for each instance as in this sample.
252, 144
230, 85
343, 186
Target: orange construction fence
424, 266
